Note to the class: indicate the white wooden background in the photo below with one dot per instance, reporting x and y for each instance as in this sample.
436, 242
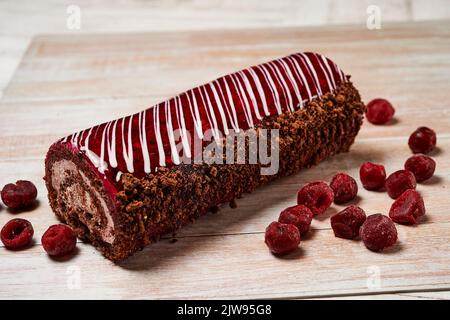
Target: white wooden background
67, 83
21, 20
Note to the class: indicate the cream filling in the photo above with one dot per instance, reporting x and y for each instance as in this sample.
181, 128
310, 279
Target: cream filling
80, 198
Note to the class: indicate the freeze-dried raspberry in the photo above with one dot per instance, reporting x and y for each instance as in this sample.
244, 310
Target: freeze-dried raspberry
398, 182
378, 232
421, 166
17, 233
19, 195
379, 111
299, 215
317, 196
423, 140
344, 188
282, 238
407, 208
59, 240
372, 175
346, 223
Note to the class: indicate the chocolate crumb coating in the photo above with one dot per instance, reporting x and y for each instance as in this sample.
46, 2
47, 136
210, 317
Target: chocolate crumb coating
147, 208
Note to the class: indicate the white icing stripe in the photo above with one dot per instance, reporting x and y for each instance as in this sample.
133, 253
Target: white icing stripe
79, 137
312, 71
182, 126
330, 86
173, 147
86, 141
249, 89
127, 150
298, 70
260, 91
94, 158
75, 138
112, 146
102, 147
230, 106
211, 124
96, 131
339, 71
271, 85
244, 103
336, 70
143, 140
236, 89
330, 73
210, 114
157, 128
195, 113
130, 165
240, 101
291, 78
284, 86
219, 106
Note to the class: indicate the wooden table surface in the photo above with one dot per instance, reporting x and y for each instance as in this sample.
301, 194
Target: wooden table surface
66, 83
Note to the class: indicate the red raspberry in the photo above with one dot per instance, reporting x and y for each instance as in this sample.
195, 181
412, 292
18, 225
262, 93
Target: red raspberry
423, 140
299, 215
421, 166
19, 195
317, 196
17, 233
344, 187
379, 111
282, 238
346, 223
372, 175
398, 182
59, 240
378, 232
407, 208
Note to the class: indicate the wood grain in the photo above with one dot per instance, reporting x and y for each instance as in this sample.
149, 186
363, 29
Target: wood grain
68, 83
214, 267
21, 20
108, 65
417, 295
256, 210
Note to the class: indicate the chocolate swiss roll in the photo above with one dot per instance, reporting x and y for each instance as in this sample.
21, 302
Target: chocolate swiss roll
123, 184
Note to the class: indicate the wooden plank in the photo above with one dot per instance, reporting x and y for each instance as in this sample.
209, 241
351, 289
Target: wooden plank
20, 21
255, 211
52, 120
128, 16
12, 49
415, 295
61, 67
66, 84
215, 267
436, 295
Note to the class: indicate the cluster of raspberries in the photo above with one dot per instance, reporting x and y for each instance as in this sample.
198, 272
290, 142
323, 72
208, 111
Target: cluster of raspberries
59, 240
377, 231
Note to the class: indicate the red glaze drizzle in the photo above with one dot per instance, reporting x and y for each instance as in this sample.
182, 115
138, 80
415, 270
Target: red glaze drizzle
141, 142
